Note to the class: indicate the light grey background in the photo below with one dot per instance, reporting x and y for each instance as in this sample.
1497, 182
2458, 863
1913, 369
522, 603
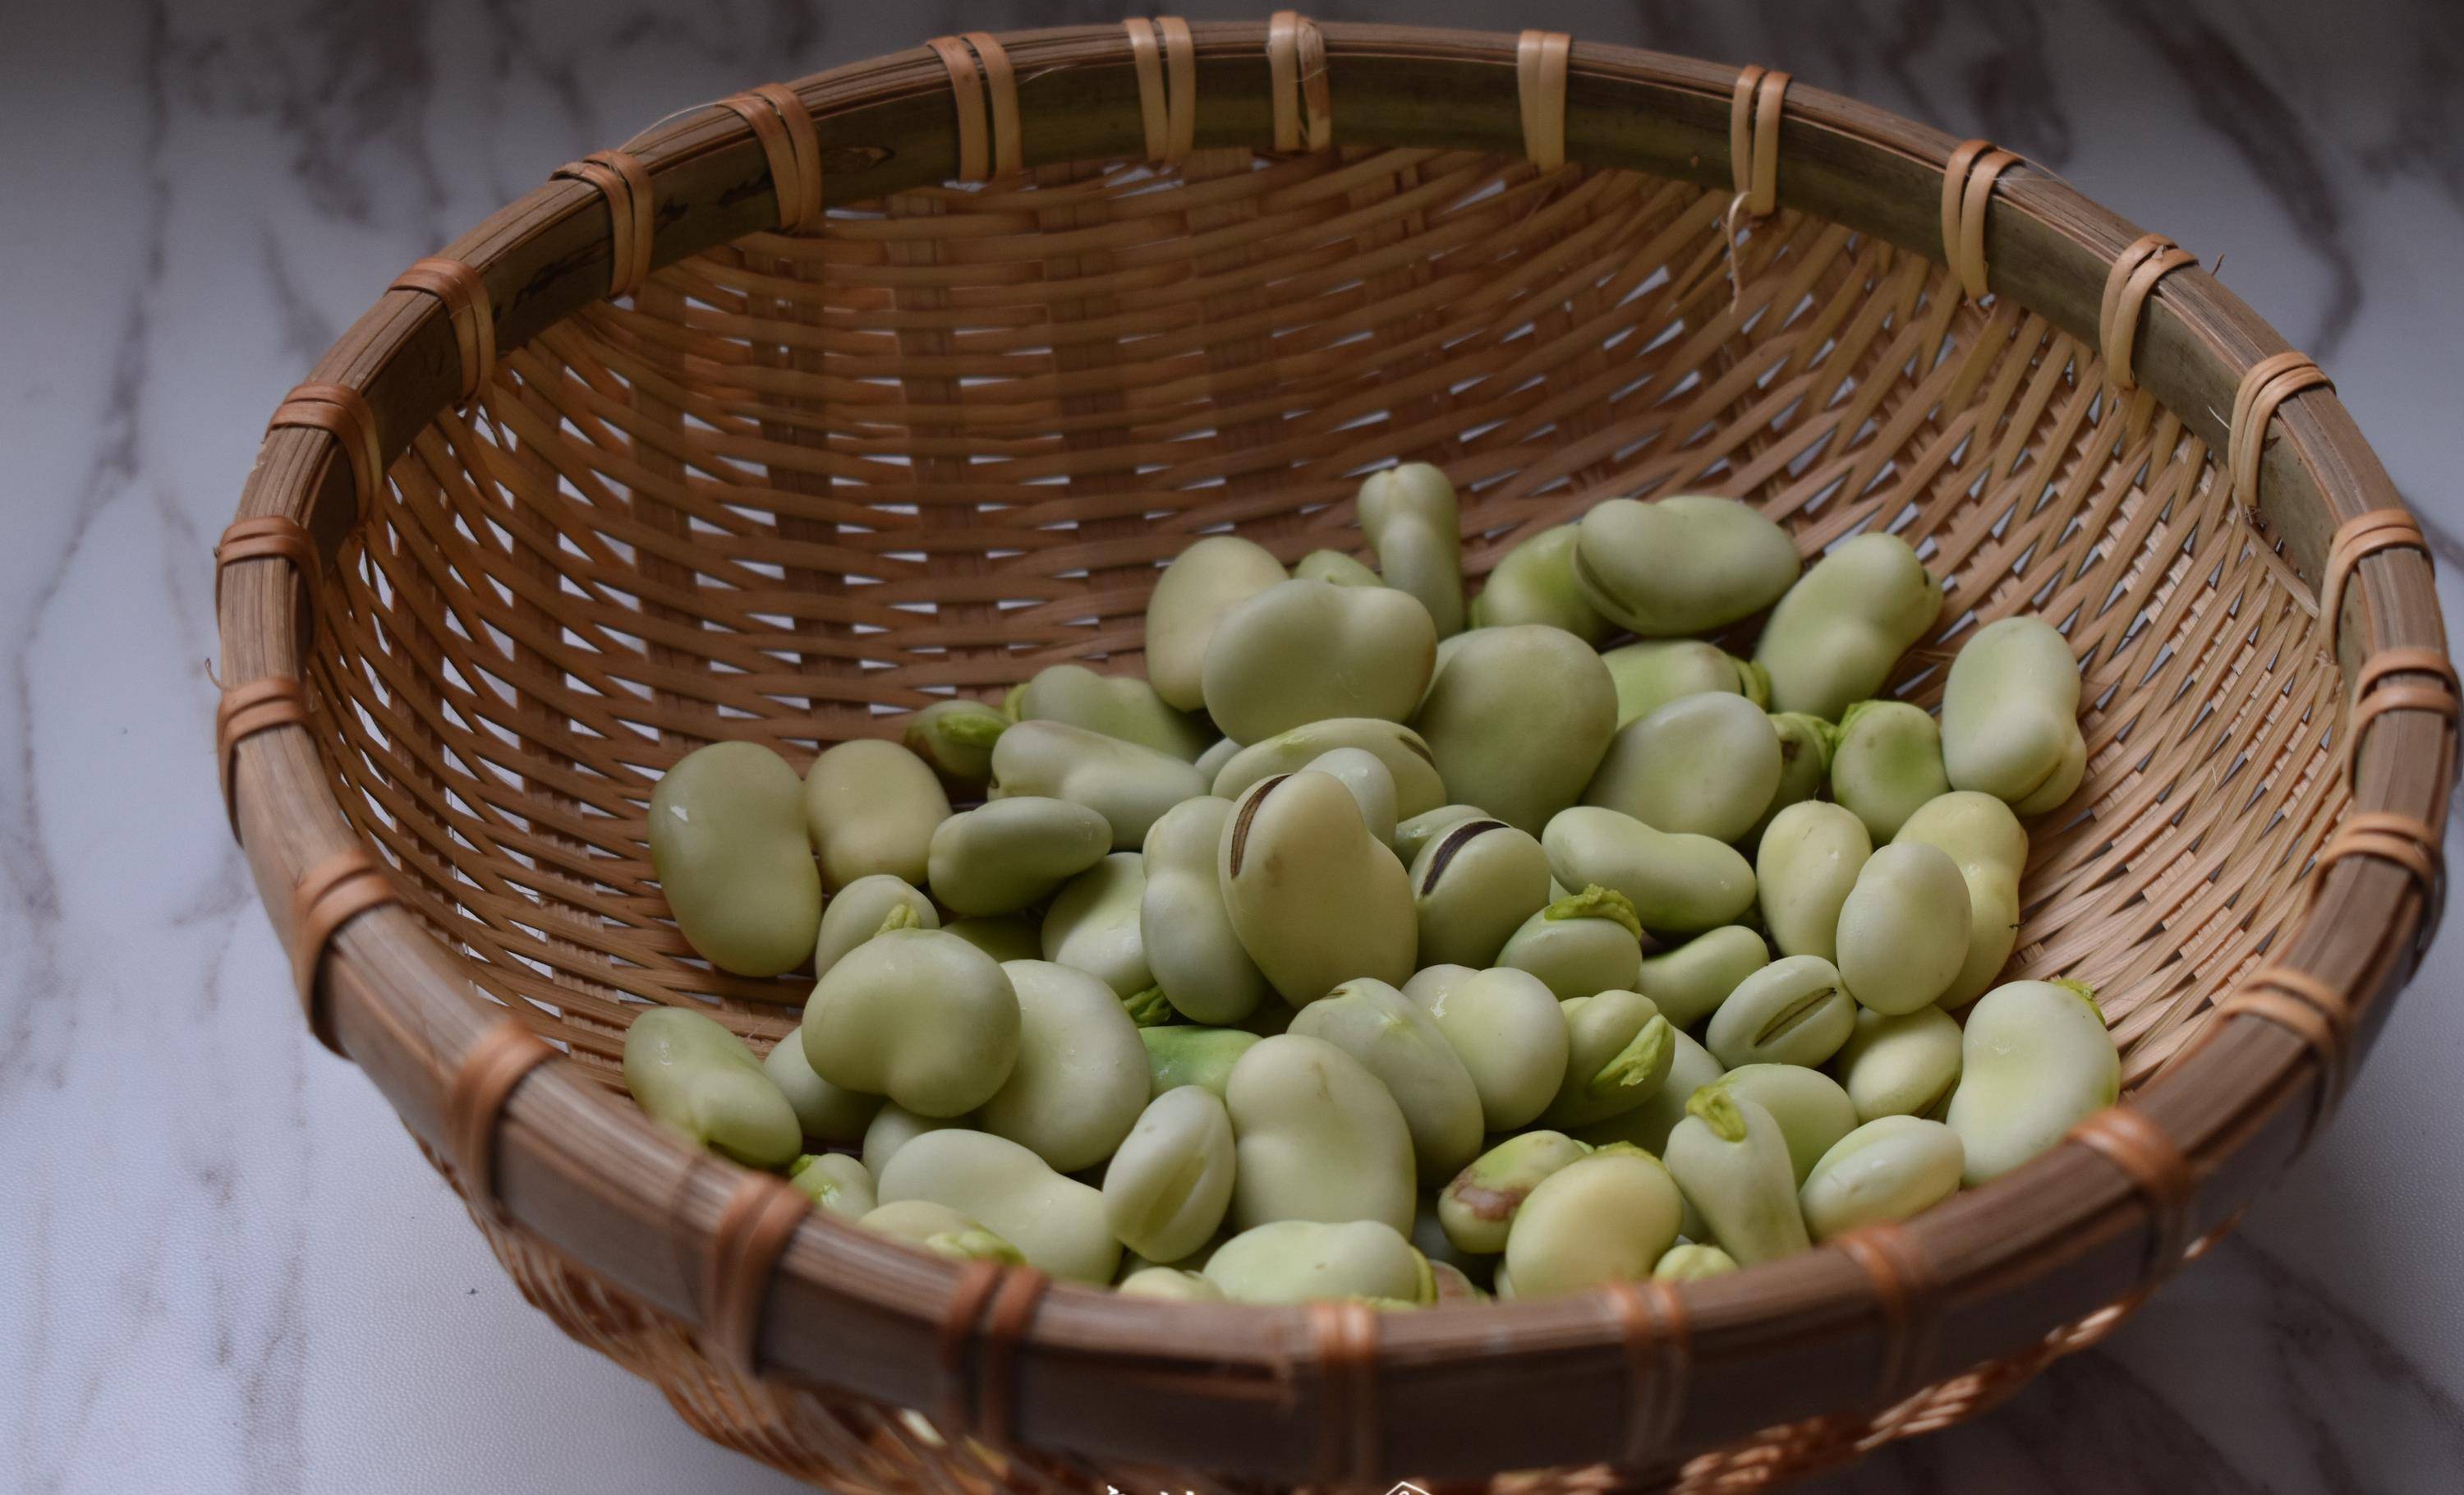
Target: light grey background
226, 1269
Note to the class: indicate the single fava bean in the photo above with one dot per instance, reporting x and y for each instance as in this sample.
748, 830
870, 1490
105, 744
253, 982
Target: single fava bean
826, 1112
1453, 1287
1812, 1110
1534, 582
1395, 1040
1411, 520
941, 1230
956, 737
1903, 928
1003, 856
1202, 583
1149, 1008
1680, 564
1692, 1262
1579, 944
894, 1127
690, 1074
1792, 1011
1372, 786
1888, 762
1313, 897
834, 1182
1678, 883
1731, 1158
1688, 983
1886, 1170
1317, 1137
920, 1016
1130, 785
863, 909
1985, 837
1835, 638
1094, 924
727, 843
1133, 1264
1308, 652
1690, 1067
1335, 569
1477, 1207
2010, 716
1191, 947
1056, 1222
1418, 788
2035, 1061
1704, 765
872, 806
1171, 1284
1650, 675
1518, 719
1125, 707
1804, 869
1220, 752
1169, 1187
1508, 1031
1413, 836
1473, 886
1602, 1218
1900, 1067
1299, 1260
1004, 937
1081, 1076
1617, 1053
1805, 744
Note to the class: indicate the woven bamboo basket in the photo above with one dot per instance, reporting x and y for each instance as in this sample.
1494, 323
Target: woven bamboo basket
812, 407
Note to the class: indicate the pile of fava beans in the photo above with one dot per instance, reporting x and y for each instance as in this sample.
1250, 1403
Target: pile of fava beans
1383, 947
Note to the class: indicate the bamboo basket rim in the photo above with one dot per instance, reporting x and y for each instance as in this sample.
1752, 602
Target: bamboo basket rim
845, 1310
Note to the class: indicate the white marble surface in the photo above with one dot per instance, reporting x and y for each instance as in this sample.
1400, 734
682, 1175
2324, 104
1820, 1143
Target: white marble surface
226, 1268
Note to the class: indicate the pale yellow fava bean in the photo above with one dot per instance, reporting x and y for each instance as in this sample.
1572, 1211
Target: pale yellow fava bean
826, 1112
1534, 582
1985, 837
1690, 1067
1170, 1285
1418, 788
1129, 784
1001, 857
1813, 1110
1184, 930
1903, 928
1056, 1222
941, 1230
1680, 564
1691, 1263
1081, 1076
727, 842
1397, 1042
1731, 1158
1678, 883
1472, 886
1296, 1260
1313, 897
1517, 720
892, 1127
1203, 583
1656, 672
1704, 764
917, 1014
1476, 1208
1602, 1218
1689, 983
1579, 944
872, 806
834, 1182
1804, 870
1507, 1029
1317, 1137
1372, 786
1618, 1052
1792, 1011
861, 909
1411, 520
1835, 638
1886, 1170
1118, 705
1888, 762
2036, 1061
689, 1073
1307, 651
1900, 1067
2010, 716
1094, 924
1170, 1185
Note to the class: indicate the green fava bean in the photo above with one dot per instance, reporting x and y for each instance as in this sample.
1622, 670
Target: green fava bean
1812, 1110
1187, 1055
872, 806
1418, 788
1170, 1185
1602, 1218
1130, 785
1454, 1286
1903, 929
1517, 721
1411, 520
861, 909
1888, 762
1835, 638
1220, 752
1003, 856
1297, 1260
1579, 944
1192, 950
834, 1182
1534, 582
1473, 886
1985, 837
1678, 883
1413, 836
693, 1075
1804, 869
1508, 1031
1704, 765
1691, 1263
917, 1014
1900, 1067
1335, 569
941, 1230
1056, 1222
1688, 983
1805, 744
1476, 1209
1171, 1284
1617, 1052
894, 1127
1005, 937
2036, 1061
824, 1112
1149, 1008
1117, 706
1792, 1011
1397, 1040
1094, 924
1372, 786
1315, 899
727, 843
1886, 1170
1203, 583
1681, 564
1081, 1076
2010, 716
956, 737
1310, 652
1650, 675
1690, 1067
1316, 1138
1731, 1159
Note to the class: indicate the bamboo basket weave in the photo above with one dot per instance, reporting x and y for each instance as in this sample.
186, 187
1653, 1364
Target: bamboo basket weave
813, 406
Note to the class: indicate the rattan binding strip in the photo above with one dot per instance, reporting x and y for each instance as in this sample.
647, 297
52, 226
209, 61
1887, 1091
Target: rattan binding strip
1658, 1358
2312, 1011
754, 1227
271, 536
2157, 1171
494, 1064
1753, 138
985, 88
980, 1365
2400, 839
2136, 270
1540, 90
457, 284
1903, 1292
1345, 1337
342, 413
244, 712
780, 121
626, 185
2362, 535
1967, 191
1166, 59
333, 893
1296, 66
2371, 700
2266, 385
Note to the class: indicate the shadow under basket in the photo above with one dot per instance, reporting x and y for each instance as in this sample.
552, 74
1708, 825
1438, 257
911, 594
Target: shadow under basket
808, 408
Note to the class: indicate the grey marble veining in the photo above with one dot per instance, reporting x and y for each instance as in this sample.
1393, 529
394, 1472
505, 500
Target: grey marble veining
230, 1270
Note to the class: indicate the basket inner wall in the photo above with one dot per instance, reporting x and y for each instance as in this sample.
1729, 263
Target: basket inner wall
798, 486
